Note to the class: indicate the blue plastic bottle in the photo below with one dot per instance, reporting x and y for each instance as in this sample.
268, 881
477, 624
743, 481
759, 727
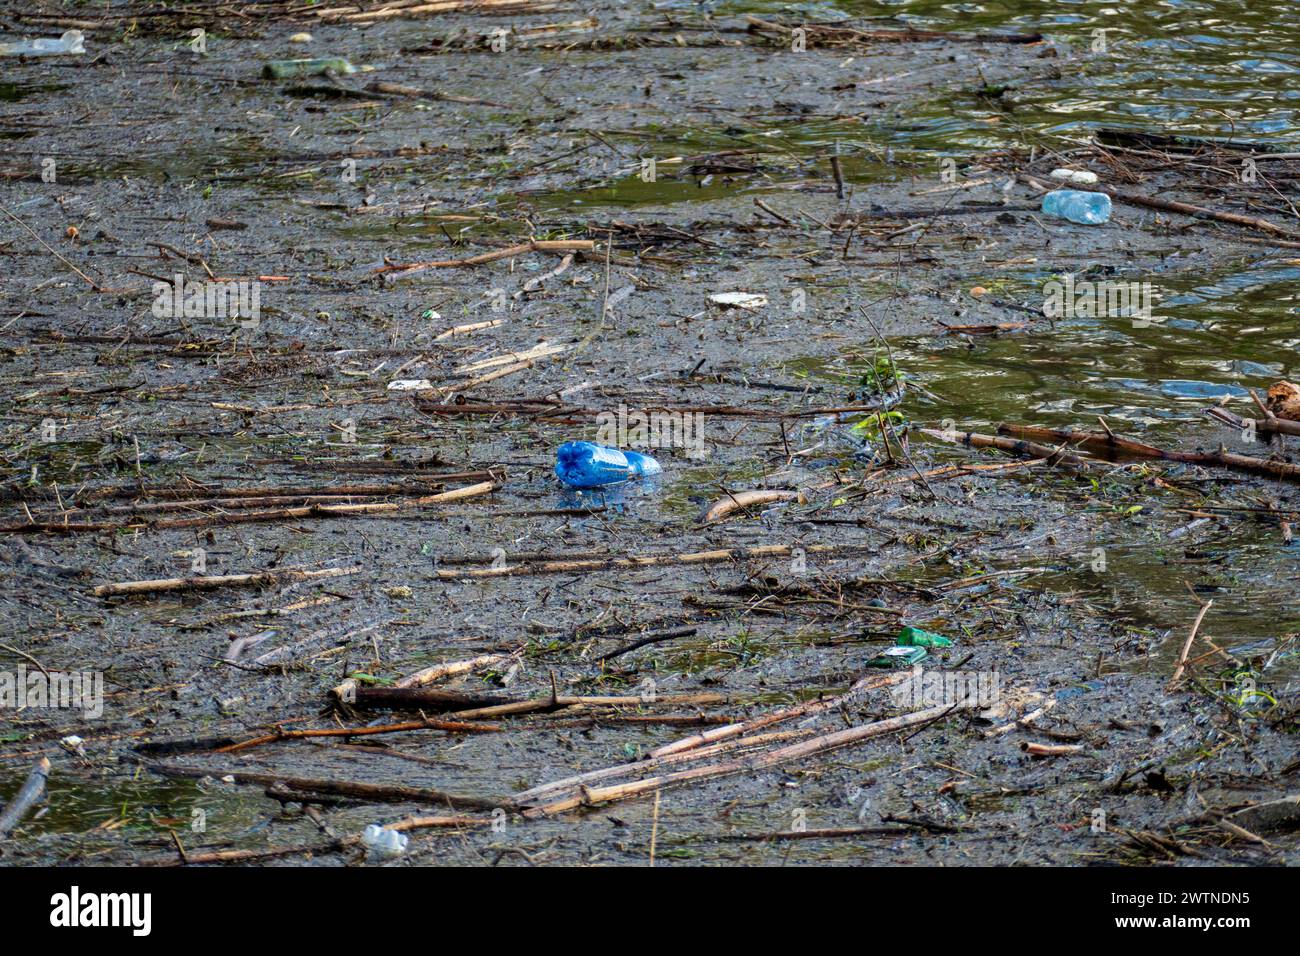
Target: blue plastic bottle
1087, 209
584, 464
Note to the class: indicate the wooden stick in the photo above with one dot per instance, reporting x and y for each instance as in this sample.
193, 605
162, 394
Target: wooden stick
453, 669
1283, 426
194, 504
1016, 447
412, 92
640, 766
654, 638
262, 579
415, 483
1171, 205
26, 797
1187, 646
818, 745
1201, 212
333, 846
806, 709
1051, 750
346, 691
370, 792
557, 701
425, 823
488, 377
745, 499
442, 6
52, 251
278, 514
425, 699
466, 329
248, 856
646, 560
694, 746
1106, 443
452, 726
844, 34
540, 350
456, 494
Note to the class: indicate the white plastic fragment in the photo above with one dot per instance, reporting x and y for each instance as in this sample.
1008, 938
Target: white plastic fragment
409, 384
739, 300
1081, 176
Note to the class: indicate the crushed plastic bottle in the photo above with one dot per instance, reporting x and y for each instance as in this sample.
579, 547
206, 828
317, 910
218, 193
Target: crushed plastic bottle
584, 464
1087, 209
384, 842
73, 41
284, 69
916, 637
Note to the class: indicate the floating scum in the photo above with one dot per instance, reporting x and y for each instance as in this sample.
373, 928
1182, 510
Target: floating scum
325, 553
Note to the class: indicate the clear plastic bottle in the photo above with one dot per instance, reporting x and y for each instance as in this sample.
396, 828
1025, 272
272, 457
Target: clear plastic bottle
584, 464
73, 41
1087, 209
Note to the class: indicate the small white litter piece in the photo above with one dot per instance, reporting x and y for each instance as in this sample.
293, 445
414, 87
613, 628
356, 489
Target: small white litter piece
383, 842
1081, 176
738, 300
409, 385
